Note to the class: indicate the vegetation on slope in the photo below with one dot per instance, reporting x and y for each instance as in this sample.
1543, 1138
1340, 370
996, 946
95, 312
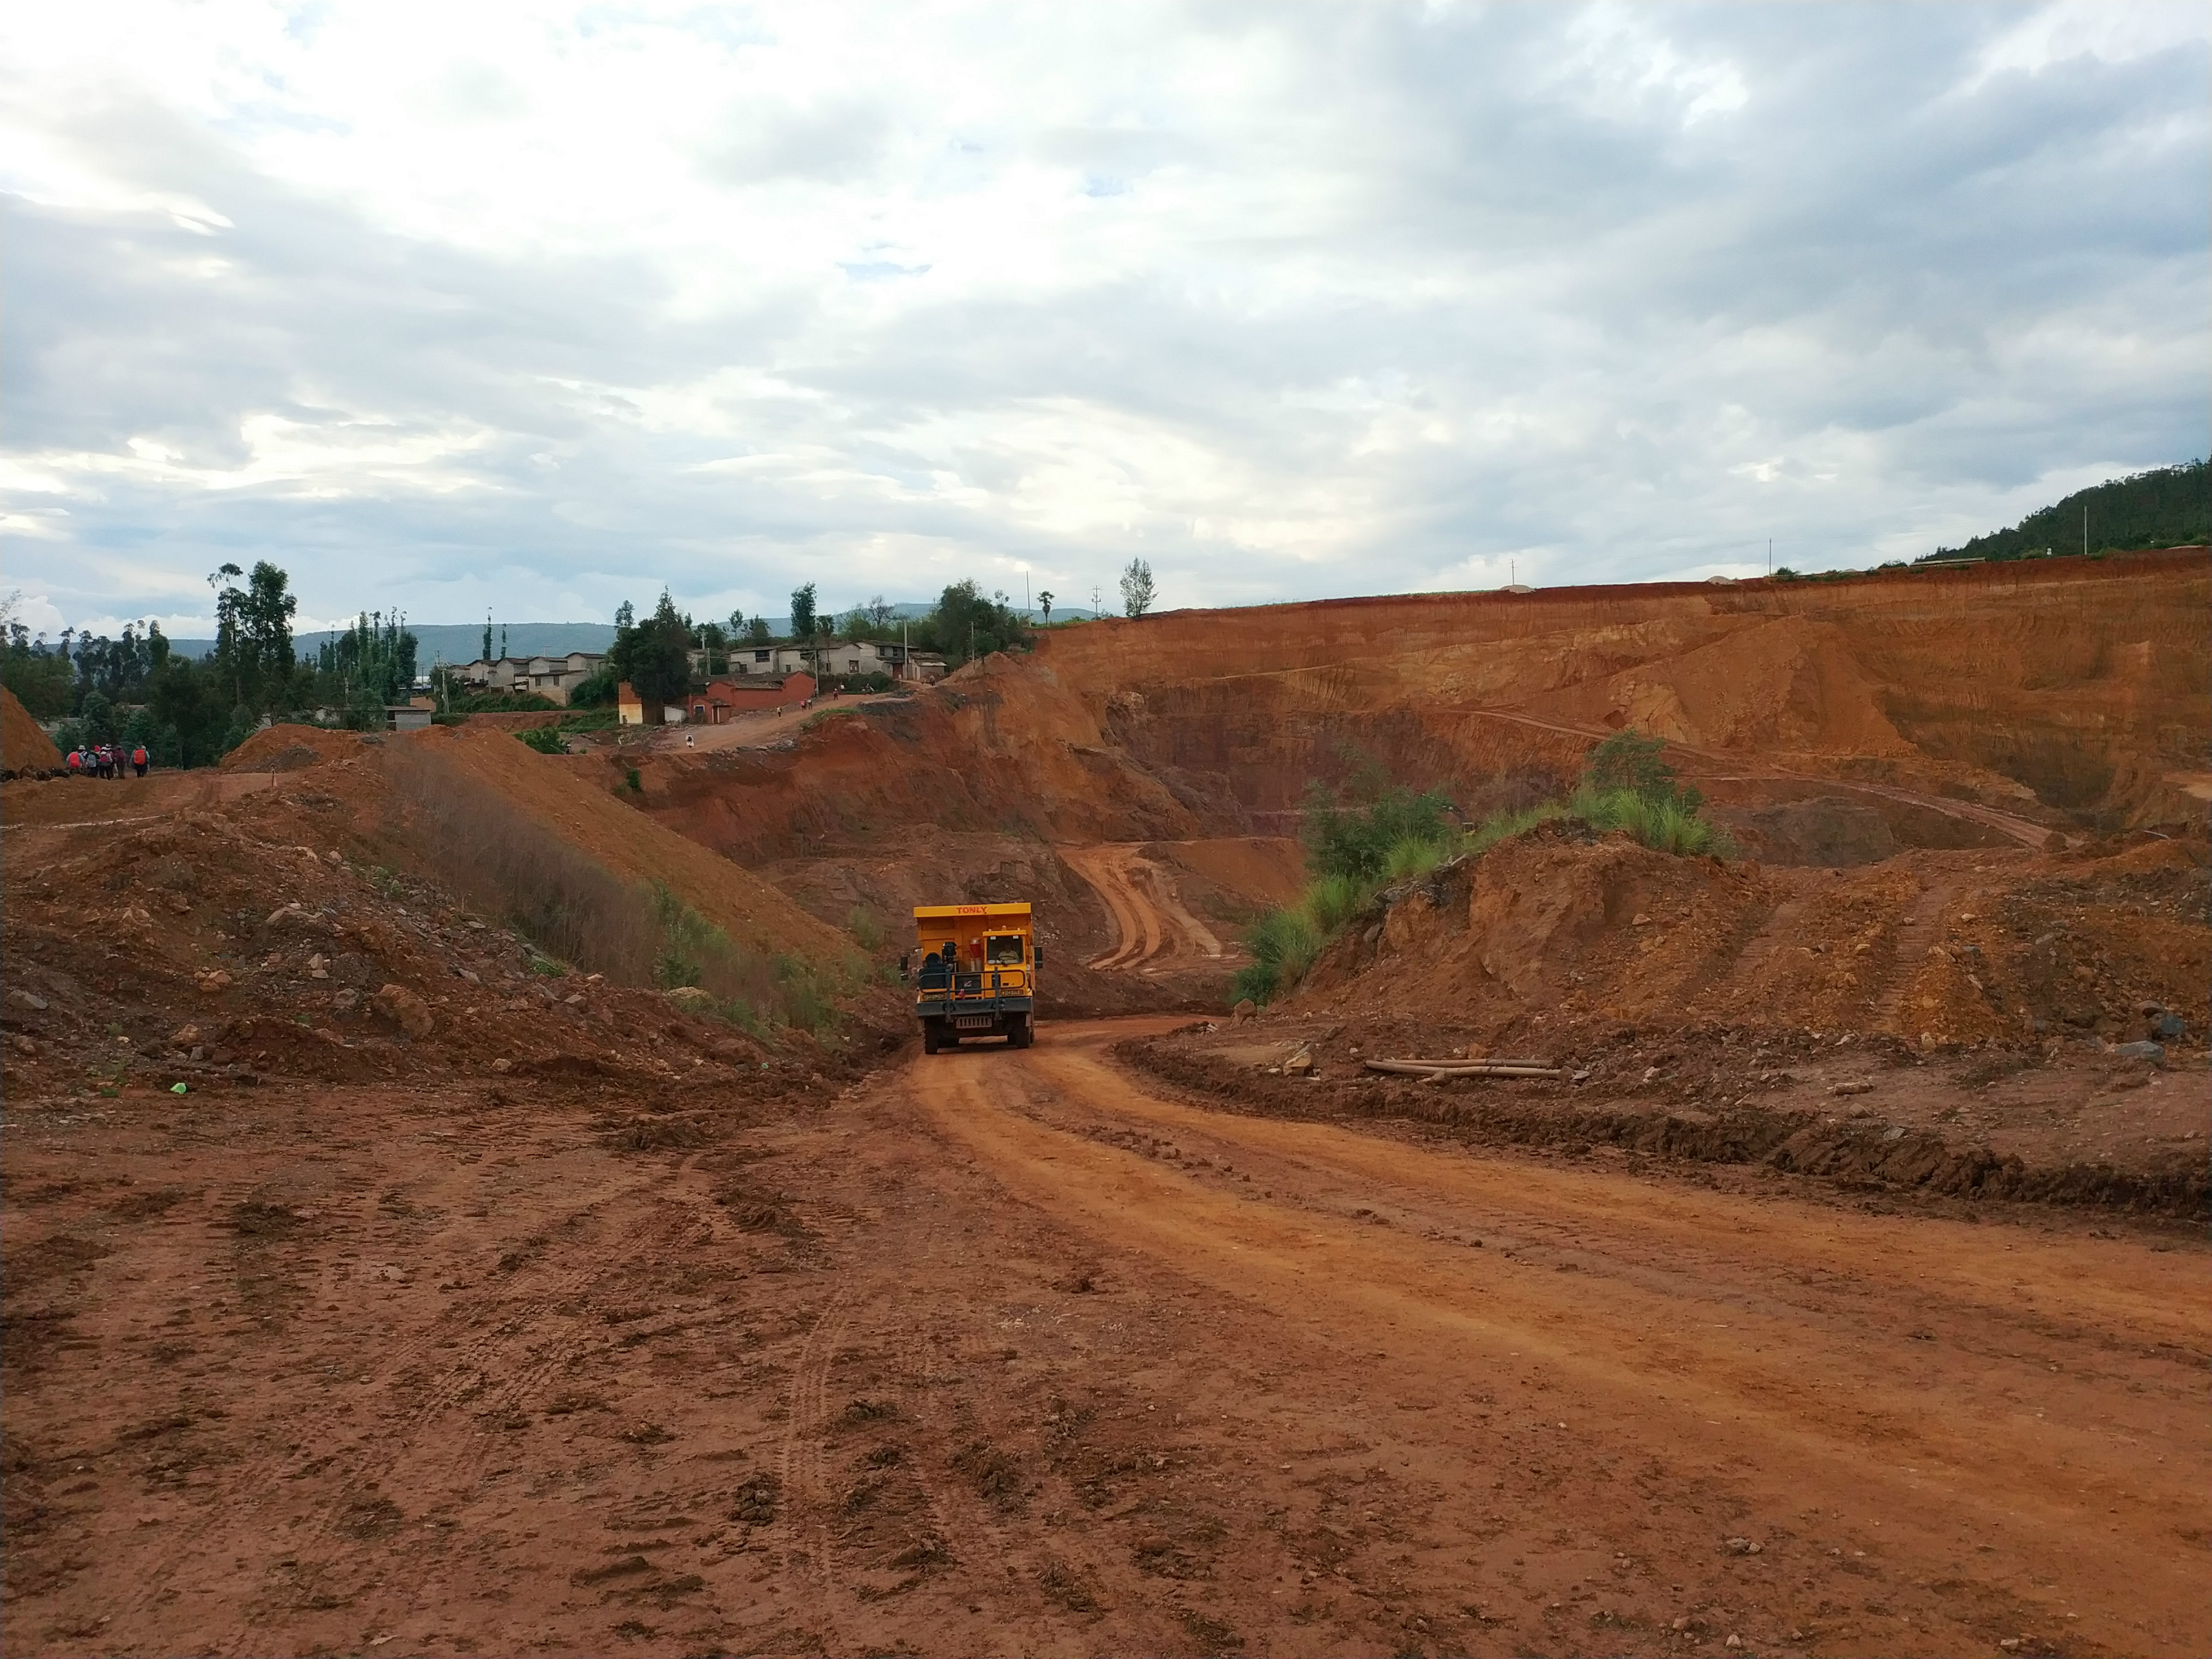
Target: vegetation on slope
574, 909
2167, 506
1355, 852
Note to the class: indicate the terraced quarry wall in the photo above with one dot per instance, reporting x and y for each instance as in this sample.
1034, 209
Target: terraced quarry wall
2072, 690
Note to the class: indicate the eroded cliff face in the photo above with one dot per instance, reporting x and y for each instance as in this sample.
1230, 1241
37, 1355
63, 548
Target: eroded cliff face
2062, 696
2069, 690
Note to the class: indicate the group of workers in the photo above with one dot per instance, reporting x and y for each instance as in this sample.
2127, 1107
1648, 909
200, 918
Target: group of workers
106, 760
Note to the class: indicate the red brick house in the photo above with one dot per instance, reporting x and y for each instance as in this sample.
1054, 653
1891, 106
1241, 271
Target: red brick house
723, 700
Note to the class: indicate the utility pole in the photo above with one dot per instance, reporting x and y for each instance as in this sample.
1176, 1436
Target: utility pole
2085, 530
1770, 556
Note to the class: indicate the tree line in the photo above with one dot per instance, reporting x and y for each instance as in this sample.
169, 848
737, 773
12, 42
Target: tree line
2167, 507
654, 653
135, 689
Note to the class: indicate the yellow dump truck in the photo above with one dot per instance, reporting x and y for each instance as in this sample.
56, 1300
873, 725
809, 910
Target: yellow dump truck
974, 972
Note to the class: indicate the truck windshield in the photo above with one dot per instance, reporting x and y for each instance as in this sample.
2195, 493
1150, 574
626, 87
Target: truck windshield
1004, 951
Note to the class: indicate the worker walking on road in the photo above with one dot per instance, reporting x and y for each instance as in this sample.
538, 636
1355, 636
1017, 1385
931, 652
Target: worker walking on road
138, 759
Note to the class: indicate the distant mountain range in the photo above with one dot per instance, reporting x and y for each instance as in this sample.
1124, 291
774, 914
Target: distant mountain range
463, 642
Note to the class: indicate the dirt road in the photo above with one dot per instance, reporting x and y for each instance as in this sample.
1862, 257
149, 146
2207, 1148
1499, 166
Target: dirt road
1938, 1436
1001, 1352
1153, 930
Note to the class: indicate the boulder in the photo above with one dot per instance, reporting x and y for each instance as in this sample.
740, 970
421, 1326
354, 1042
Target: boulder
1245, 1009
404, 1009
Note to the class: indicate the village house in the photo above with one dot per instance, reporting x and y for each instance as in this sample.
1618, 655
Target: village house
630, 709
550, 677
839, 658
724, 698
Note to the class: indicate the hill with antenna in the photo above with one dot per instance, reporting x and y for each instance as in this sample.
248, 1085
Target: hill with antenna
2167, 507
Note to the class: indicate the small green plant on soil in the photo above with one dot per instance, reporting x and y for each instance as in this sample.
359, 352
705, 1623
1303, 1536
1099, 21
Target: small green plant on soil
545, 740
867, 933
632, 782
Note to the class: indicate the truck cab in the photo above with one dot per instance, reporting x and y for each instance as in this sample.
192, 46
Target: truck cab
974, 970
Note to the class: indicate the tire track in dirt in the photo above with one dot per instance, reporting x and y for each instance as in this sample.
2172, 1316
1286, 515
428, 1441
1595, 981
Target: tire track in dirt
1696, 1329
1152, 928
803, 1512
491, 1372
1915, 938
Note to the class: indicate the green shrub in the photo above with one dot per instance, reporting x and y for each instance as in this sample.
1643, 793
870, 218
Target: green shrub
1256, 983
1332, 901
867, 933
1629, 760
1357, 842
545, 740
502, 702
1283, 944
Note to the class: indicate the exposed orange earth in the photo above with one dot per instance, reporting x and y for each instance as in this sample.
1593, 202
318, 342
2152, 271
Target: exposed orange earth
1842, 1292
24, 745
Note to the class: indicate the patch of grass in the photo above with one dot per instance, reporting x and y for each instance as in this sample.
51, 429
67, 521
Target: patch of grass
1503, 826
1413, 857
1283, 944
545, 740
867, 933
1665, 826
1332, 901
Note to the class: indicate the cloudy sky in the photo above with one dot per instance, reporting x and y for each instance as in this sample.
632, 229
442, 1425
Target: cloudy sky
535, 307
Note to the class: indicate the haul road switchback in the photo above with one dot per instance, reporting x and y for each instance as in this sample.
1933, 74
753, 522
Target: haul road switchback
976, 973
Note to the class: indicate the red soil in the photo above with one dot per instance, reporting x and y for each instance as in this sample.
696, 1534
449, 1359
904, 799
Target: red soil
24, 745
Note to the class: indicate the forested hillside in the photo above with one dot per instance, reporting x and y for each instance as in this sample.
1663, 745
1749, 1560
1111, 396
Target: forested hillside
2167, 506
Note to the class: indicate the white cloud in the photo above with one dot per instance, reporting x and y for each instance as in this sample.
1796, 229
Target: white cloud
540, 306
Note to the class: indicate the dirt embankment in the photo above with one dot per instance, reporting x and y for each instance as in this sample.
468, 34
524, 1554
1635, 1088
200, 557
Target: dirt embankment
24, 745
2070, 689
1984, 1024
1933, 949
1000, 749
220, 949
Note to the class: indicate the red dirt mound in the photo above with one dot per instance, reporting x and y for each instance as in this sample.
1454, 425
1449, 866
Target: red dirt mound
1929, 948
24, 747
291, 748
216, 949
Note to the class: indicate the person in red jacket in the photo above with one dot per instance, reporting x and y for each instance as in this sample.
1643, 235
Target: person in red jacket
138, 759
76, 763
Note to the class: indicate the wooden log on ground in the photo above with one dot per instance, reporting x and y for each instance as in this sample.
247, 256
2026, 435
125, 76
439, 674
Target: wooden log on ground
1464, 1067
